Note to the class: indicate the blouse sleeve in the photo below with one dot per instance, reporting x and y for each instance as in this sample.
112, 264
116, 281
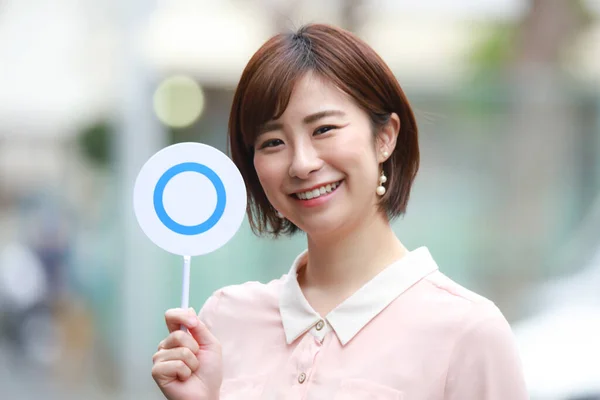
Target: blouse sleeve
208, 311
485, 364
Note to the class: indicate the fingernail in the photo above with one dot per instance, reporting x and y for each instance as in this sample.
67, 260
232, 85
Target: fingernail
193, 321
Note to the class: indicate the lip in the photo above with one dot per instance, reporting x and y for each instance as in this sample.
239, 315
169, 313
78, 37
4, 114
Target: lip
316, 186
315, 202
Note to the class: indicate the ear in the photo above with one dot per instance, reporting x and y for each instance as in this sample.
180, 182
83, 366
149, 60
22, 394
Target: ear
386, 138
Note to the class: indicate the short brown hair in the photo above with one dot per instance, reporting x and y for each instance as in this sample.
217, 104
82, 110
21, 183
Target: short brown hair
350, 64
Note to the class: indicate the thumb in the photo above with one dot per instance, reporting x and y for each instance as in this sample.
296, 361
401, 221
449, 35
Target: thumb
203, 336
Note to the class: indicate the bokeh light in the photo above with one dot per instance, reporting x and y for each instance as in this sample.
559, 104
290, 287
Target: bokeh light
178, 101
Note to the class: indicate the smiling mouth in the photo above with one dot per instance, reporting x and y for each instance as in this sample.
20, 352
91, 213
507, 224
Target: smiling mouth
317, 192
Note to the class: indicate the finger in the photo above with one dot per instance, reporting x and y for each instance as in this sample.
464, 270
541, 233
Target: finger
176, 317
168, 370
181, 353
180, 339
204, 337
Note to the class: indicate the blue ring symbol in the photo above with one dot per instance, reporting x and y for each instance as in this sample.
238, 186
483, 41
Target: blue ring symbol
159, 206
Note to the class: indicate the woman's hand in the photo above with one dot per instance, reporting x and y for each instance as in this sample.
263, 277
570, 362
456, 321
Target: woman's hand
187, 365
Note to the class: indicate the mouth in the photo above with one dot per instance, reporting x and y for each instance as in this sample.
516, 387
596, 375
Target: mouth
318, 191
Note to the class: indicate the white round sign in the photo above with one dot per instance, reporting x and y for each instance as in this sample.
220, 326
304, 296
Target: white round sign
189, 199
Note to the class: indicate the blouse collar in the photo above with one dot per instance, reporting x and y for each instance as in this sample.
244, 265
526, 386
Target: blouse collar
348, 318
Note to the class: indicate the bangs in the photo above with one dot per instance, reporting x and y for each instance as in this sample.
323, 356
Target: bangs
282, 62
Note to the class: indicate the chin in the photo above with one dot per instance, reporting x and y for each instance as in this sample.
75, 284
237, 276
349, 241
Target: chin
321, 226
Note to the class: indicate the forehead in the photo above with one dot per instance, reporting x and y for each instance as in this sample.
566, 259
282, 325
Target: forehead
312, 94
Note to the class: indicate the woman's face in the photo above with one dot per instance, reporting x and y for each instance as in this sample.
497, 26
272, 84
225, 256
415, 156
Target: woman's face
318, 163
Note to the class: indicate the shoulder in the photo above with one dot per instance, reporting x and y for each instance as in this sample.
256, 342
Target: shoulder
453, 291
454, 300
483, 359
242, 301
438, 298
250, 291
444, 305
471, 320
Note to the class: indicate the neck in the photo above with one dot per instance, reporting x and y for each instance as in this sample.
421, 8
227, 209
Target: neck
341, 263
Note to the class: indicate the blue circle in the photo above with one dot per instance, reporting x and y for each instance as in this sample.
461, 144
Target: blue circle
159, 206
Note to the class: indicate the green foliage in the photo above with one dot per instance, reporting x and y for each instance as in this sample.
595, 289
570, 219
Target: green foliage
179, 135
495, 49
96, 141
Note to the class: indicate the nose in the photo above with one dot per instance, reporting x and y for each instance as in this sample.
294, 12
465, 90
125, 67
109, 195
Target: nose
305, 161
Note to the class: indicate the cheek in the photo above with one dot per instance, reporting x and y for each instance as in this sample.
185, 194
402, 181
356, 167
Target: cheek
268, 174
356, 152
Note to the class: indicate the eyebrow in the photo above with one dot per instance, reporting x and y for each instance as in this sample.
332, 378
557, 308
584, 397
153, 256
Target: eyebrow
309, 119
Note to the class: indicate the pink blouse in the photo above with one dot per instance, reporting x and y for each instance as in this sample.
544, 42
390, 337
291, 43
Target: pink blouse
409, 333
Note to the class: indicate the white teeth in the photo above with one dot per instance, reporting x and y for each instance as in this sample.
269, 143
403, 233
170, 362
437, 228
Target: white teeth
311, 194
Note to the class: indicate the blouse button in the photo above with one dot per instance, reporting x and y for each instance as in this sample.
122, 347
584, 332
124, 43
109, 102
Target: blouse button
302, 377
320, 325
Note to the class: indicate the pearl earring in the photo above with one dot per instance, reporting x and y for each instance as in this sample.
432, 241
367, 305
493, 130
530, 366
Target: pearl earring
382, 180
385, 154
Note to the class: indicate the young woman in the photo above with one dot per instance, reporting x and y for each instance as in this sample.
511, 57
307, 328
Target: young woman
327, 143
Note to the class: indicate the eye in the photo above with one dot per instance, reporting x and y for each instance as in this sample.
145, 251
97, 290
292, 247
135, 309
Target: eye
271, 143
324, 129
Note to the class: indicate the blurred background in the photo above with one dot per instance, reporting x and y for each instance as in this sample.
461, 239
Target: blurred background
507, 96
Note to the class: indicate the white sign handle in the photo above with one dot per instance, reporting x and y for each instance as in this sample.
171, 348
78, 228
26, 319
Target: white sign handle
185, 290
